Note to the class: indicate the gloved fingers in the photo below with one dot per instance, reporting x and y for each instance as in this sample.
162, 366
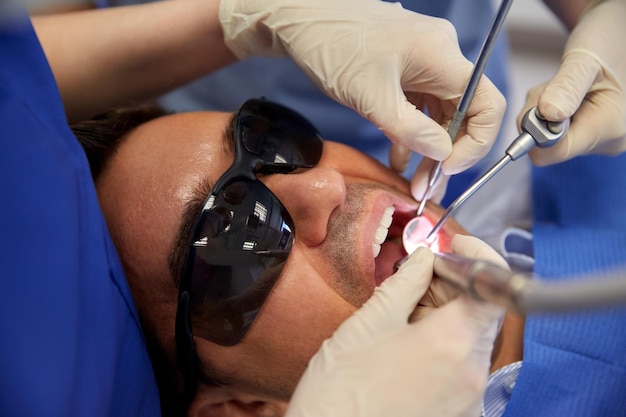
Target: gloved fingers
589, 132
390, 306
564, 93
417, 99
472, 247
612, 147
586, 90
404, 124
483, 314
399, 157
444, 359
431, 368
419, 182
439, 292
483, 321
479, 130
471, 145
440, 110
471, 324
461, 341
597, 126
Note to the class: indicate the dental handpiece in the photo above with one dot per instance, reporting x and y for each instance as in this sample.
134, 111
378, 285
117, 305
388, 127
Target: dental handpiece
523, 293
536, 131
468, 94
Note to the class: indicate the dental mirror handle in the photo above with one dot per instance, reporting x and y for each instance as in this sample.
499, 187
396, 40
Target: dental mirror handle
468, 94
465, 195
524, 293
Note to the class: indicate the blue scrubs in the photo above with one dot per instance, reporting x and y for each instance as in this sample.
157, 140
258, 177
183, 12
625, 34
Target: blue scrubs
575, 364
70, 340
282, 81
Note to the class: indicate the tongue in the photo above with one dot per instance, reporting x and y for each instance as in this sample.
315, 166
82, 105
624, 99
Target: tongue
390, 252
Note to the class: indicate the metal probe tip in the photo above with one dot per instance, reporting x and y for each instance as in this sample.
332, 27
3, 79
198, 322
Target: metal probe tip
420, 209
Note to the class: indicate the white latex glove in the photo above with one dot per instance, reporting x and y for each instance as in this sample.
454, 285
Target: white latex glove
589, 86
439, 292
382, 61
420, 182
377, 364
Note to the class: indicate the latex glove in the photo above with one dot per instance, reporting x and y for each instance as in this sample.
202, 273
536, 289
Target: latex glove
377, 364
371, 55
589, 86
420, 182
439, 292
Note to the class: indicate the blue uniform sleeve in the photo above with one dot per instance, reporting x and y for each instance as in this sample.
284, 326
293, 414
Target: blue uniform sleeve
575, 363
71, 341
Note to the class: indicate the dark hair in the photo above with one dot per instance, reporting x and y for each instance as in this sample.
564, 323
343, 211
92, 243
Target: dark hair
100, 137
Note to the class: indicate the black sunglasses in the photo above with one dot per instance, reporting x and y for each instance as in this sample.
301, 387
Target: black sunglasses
244, 234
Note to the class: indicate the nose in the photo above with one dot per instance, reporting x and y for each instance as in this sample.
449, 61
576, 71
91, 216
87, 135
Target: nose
310, 197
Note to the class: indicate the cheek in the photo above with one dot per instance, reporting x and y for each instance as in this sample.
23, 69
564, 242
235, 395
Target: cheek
300, 313
352, 163
302, 309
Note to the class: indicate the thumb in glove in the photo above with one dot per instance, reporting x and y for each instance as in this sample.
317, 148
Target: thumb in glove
379, 364
382, 61
589, 87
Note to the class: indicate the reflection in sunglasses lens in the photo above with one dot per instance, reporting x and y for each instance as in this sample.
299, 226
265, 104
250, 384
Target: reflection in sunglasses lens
235, 193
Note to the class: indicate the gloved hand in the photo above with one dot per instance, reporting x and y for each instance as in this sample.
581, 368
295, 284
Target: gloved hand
439, 292
380, 60
420, 182
589, 87
377, 364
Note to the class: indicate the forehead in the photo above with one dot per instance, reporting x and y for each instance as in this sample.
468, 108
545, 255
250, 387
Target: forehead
152, 176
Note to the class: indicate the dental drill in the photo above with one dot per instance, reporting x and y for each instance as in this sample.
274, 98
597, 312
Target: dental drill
523, 293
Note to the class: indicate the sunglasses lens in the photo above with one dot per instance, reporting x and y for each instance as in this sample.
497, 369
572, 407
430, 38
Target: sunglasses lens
240, 250
283, 138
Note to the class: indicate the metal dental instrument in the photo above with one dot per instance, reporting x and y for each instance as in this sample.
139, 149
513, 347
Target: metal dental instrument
468, 94
536, 131
523, 293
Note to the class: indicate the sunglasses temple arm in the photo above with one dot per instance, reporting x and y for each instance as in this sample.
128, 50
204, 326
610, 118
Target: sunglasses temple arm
278, 253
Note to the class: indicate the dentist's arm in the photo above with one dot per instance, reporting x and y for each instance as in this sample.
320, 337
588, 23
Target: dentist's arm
104, 58
372, 56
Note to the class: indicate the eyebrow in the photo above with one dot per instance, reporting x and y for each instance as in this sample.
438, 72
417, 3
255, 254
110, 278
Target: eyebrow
191, 211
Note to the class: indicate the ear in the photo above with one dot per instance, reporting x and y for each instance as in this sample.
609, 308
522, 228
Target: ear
224, 402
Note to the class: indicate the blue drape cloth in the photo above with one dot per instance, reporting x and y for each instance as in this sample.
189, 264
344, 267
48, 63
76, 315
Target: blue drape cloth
575, 364
70, 343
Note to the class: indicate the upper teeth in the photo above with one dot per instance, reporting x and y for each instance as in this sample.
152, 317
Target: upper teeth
382, 230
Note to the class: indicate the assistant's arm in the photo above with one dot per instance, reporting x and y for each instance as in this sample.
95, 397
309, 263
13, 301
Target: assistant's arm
103, 58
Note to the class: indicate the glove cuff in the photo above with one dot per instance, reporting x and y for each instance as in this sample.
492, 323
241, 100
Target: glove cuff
246, 33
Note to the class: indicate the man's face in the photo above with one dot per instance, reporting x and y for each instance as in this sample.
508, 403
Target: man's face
337, 208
